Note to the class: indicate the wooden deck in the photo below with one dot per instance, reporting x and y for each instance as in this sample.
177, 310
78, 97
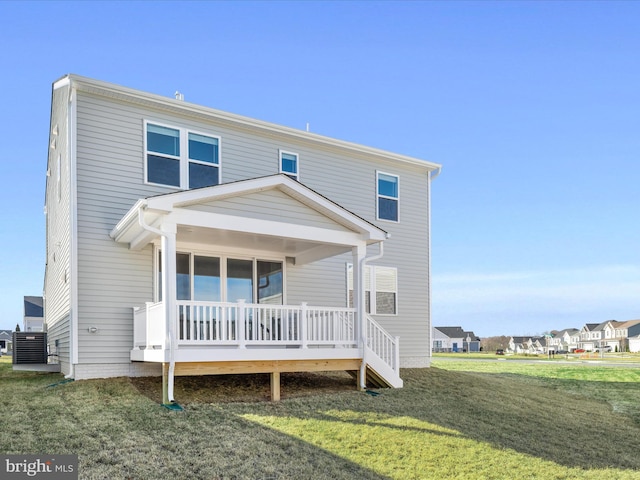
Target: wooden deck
272, 367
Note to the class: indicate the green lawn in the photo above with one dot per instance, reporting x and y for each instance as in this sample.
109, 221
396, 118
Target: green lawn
458, 420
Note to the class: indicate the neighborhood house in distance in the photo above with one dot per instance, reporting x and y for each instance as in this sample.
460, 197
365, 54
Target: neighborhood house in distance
454, 339
608, 336
183, 240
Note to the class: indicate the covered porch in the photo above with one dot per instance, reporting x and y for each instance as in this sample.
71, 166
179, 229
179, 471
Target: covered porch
259, 333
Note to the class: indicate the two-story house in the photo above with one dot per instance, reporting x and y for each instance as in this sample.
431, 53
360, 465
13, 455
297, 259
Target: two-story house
570, 339
590, 336
183, 240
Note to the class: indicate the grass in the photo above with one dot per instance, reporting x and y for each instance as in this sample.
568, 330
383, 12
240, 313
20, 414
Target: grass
459, 420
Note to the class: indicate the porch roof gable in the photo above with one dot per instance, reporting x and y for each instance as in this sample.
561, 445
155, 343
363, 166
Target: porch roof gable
139, 226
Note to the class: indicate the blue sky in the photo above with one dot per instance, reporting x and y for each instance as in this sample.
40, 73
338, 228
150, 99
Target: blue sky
532, 108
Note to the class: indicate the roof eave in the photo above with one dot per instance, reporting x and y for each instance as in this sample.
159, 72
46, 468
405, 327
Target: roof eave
110, 89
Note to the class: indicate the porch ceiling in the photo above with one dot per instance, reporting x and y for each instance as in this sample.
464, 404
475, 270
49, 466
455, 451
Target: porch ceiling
302, 251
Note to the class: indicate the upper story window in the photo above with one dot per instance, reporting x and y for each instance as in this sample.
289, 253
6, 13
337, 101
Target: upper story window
387, 196
289, 164
180, 158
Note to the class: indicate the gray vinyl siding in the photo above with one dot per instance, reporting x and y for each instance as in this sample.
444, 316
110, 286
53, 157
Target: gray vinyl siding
58, 338
271, 205
110, 179
111, 278
57, 301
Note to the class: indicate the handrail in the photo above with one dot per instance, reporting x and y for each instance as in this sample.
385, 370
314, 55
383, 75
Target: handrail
383, 344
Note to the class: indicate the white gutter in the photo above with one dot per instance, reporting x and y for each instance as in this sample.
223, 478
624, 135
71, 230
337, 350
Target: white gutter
170, 333
363, 327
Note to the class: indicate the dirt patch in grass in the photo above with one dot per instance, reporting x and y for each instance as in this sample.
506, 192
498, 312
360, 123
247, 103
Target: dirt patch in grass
246, 387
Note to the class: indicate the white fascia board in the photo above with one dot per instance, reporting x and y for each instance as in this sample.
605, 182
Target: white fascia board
263, 227
130, 218
295, 189
62, 82
137, 96
332, 210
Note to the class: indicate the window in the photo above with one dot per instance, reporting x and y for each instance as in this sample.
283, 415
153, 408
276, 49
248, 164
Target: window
381, 289
203, 161
239, 280
163, 155
214, 279
387, 188
179, 158
206, 278
270, 282
289, 164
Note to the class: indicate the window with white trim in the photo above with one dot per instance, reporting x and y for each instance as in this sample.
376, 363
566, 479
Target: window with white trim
181, 158
387, 190
214, 278
289, 164
381, 289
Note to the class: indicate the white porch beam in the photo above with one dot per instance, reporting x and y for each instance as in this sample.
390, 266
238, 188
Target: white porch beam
265, 227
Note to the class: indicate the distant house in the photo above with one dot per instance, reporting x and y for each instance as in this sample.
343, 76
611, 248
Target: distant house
528, 345
633, 339
624, 332
6, 339
33, 314
589, 336
454, 339
563, 340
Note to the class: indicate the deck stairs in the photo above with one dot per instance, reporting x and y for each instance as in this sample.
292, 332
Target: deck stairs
382, 357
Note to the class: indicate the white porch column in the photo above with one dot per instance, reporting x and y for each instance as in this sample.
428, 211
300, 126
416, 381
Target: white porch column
168, 245
359, 253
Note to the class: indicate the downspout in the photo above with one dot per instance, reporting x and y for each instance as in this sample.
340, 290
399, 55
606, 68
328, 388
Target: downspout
73, 227
172, 362
363, 326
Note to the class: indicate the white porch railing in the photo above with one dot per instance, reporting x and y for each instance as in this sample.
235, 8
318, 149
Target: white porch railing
246, 325
149, 329
383, 345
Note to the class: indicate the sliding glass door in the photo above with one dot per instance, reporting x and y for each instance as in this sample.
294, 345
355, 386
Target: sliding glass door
214, 279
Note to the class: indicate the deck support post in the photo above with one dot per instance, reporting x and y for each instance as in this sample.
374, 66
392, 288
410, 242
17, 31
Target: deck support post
165, 384
275, 386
